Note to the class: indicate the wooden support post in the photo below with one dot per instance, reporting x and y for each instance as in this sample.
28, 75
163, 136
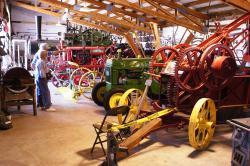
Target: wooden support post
131, 43
157, 36
189, 38
183, 35
135, 138
139, 44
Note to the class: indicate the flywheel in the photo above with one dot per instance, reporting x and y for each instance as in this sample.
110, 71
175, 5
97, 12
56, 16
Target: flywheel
202, 123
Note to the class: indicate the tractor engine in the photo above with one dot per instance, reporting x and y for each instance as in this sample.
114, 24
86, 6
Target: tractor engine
126, 73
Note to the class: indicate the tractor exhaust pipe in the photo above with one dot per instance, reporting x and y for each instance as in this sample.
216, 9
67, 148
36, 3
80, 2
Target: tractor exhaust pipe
39, 28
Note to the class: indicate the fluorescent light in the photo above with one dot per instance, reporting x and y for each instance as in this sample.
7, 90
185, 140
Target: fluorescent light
86, 9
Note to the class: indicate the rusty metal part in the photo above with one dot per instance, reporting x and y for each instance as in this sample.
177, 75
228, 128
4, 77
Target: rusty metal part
224, 67
165, 54
187, 71
171, 91
217, 66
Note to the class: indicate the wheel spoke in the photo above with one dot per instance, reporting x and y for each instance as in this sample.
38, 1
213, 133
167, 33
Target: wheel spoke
202, 123
187, 78
196, 80
189, 58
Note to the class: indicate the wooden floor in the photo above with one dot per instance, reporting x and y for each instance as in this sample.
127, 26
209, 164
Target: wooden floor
65, 137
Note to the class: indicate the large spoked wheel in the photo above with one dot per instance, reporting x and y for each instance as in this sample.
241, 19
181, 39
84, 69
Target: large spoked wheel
131, 98
202, 123
161, 56
187, 71
76, 76
218, 66
98, 93
111, 99
88, 81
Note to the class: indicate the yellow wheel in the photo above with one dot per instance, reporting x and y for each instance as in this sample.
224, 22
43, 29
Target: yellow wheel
132, 98
202, 123
88, 81
76, 75
111, 99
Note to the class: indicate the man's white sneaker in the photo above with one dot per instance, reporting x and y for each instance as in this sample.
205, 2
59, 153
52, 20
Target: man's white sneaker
51, 109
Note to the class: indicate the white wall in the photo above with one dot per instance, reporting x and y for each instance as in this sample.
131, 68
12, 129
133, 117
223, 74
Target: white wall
27, 26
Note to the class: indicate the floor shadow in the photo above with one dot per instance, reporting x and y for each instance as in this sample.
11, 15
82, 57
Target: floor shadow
100, 112
197, 153
218, 138
97, 153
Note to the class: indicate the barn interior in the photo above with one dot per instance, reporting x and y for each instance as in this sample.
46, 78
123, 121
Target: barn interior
125, 82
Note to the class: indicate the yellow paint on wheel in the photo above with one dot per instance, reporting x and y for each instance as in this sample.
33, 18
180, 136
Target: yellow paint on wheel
202, 123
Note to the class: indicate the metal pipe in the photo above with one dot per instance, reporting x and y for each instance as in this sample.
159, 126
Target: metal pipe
18, 56
38, 27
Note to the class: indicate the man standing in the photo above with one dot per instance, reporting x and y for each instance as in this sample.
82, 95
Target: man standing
42, 47
42, 90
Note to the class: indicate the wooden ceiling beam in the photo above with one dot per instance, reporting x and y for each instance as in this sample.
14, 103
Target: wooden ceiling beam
37, 9
241, 4
168, 18
189, 17
207, 8
54, 14
221, 15
197, 2
183, 9
157, 6
116, 10
96, 16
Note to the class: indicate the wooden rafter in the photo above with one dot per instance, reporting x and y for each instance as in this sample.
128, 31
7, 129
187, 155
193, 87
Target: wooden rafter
118, 10
167, 18
37, 9
183, 9
95, 16
241, 4
158, 7
54, 14
197, 2
206, 8
189, 17
223, 14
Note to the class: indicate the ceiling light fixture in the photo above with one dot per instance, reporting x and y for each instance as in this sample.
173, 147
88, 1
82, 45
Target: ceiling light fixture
76, 6
66, 16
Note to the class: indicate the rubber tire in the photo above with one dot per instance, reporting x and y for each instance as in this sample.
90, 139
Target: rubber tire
107, 97
94, 93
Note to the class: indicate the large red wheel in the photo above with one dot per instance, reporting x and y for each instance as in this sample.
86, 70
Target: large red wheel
161, 57
218, 66
187, 72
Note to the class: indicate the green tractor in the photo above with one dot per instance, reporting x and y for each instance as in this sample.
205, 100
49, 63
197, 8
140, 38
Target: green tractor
121, 75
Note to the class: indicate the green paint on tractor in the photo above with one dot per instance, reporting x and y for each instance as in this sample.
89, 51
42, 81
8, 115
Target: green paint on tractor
128, 73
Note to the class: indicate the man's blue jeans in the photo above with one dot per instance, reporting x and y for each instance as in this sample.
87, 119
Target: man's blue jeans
43, 93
